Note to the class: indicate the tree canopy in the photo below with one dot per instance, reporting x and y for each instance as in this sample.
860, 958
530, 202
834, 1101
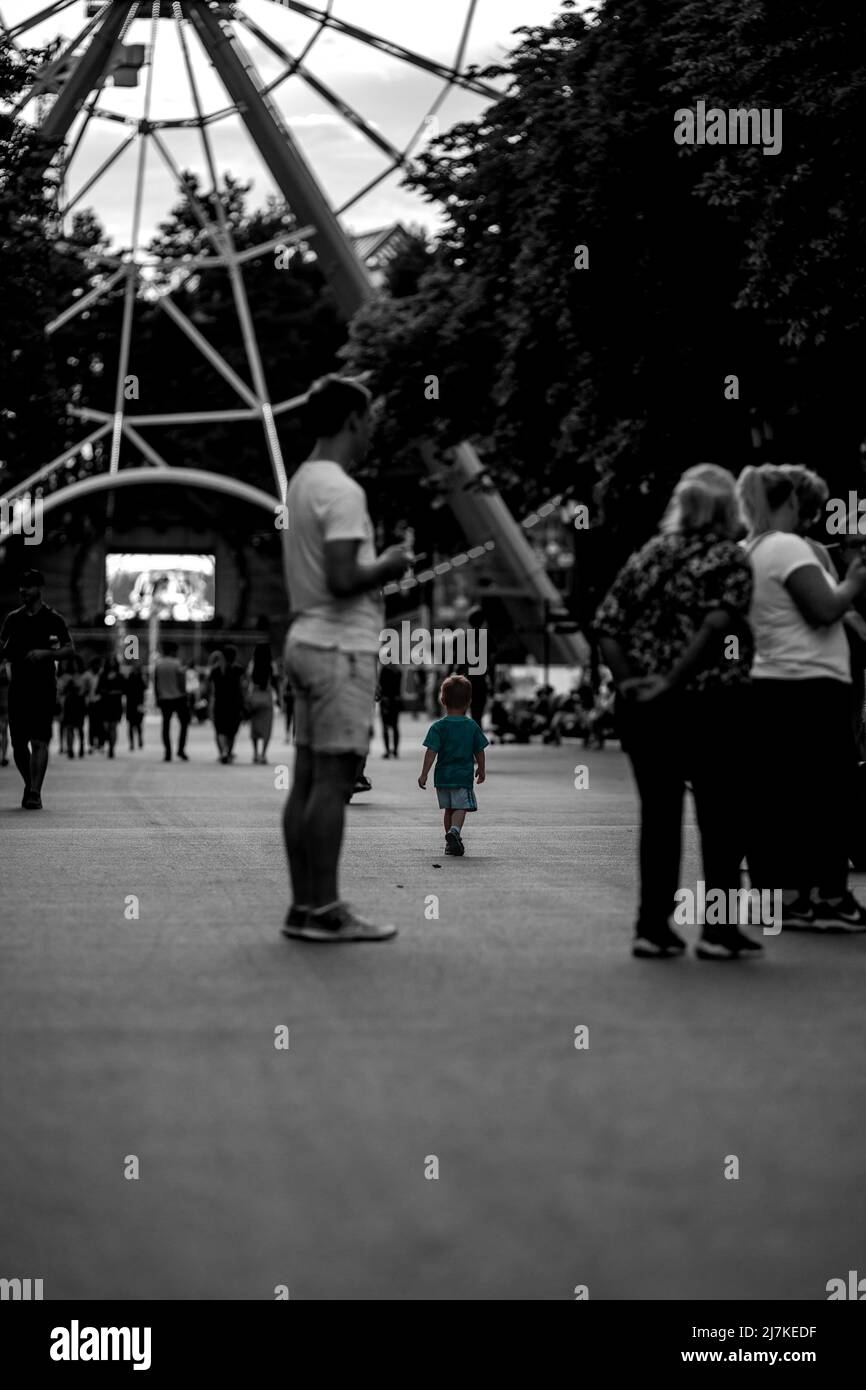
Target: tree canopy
704, 262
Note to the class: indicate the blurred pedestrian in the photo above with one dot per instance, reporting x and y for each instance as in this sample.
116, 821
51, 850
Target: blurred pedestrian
260, 700
5, 679
70, 690
216, 662
228, 702
390, 706
93, 705
32, 638
111, 695
135, 693
169, 685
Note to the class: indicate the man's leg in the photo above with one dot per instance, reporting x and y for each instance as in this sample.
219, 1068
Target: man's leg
165, 710
38, 763
295, 822
183, 717
457, 819
21, 754
333, 779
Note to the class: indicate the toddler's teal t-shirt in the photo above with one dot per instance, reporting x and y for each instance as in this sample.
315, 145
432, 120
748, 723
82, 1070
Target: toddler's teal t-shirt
455, 739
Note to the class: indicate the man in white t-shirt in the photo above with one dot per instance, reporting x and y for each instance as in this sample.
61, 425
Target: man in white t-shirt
331, 654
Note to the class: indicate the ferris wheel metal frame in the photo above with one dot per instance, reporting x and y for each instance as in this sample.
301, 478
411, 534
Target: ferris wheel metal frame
78, 74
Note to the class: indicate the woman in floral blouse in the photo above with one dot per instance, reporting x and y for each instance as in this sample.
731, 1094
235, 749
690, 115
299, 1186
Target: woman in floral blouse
674, 631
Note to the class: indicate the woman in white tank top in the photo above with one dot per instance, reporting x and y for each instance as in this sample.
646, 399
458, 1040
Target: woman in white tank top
803, 747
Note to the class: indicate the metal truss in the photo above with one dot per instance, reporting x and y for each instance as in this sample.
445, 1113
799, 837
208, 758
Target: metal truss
85, 65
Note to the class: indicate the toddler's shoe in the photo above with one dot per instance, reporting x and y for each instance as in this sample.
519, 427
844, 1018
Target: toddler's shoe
454, 843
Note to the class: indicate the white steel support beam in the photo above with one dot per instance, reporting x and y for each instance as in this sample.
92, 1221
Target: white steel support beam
48, 468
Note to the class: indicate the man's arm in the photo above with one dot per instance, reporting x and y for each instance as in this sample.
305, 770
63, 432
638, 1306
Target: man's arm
480, 764
43, 653
346, 575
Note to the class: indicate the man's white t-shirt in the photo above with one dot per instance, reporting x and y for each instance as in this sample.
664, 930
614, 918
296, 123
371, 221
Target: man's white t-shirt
787, 647
325, 504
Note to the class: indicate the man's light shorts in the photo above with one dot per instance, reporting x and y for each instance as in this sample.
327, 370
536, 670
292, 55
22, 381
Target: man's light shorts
334, 696
456, 799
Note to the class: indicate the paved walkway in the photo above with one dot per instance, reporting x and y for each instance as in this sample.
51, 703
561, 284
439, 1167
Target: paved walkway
262, 1167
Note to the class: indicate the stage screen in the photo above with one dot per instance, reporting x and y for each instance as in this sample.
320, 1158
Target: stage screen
173, 588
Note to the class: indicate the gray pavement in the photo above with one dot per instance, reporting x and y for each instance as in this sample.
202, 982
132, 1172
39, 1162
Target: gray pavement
261, 1167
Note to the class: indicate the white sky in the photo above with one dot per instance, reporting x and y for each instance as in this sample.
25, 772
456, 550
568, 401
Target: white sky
389, 93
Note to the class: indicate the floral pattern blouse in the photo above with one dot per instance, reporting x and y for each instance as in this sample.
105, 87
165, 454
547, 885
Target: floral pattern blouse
661, 596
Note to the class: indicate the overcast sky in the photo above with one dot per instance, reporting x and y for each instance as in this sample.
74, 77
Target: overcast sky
392, 95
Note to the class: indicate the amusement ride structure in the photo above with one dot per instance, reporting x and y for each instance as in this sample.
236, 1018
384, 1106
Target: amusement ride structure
119, 46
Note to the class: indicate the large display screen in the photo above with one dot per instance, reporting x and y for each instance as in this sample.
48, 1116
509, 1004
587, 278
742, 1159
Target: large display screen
173, 588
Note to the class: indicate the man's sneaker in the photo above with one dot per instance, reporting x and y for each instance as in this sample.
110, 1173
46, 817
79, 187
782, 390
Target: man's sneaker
295, 917
798, 915
32, 802
658, 945
732, 945
454, 843
341, 924
847, 915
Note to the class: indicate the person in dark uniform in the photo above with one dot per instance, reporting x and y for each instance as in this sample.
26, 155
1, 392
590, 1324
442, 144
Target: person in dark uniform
110, 690
32, 639
390, 705
228, 703
134, 693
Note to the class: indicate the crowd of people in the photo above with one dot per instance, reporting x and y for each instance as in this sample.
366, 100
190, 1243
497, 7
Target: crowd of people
93, 701
732, 667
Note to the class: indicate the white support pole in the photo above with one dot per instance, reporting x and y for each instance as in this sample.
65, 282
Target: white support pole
199, 213
95, 177
123, 363
147, 450
166, 303
290, 239
50, 12
45, 73
195, 417
87, 412
132, 269
239, 292
47, 468
85, 302
293, 404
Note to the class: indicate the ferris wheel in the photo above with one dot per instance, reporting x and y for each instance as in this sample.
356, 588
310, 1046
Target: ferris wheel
147, 92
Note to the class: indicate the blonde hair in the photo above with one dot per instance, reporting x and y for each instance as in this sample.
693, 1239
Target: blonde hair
812, 492
704, 499
760, 491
